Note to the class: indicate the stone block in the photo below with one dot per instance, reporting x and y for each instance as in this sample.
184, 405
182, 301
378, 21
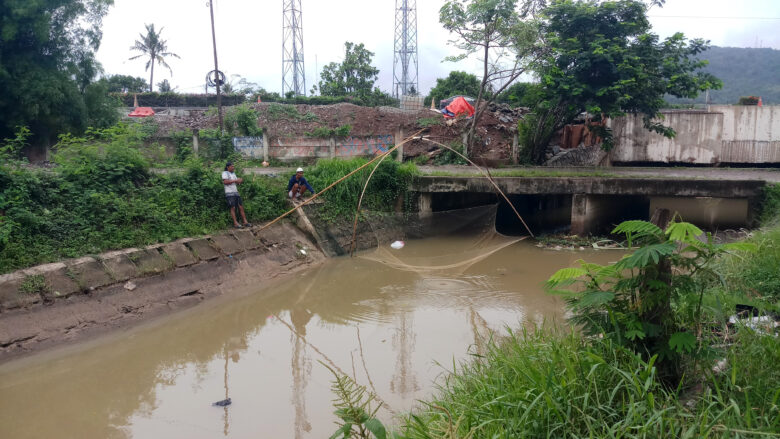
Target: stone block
247, 239
90, 273
228, 244
121, 267
59, 279
11, 295
203, 249
179, 254
150, 261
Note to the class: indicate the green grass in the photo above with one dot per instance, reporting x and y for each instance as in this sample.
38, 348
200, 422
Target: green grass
547, 385
526, 173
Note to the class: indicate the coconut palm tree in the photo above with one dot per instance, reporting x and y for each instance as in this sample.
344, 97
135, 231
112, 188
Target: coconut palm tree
153, 47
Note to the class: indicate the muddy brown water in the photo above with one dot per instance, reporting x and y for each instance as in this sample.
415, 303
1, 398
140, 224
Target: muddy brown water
395, 331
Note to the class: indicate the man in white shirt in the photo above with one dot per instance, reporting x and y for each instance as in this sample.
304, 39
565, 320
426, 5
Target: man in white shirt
230, 181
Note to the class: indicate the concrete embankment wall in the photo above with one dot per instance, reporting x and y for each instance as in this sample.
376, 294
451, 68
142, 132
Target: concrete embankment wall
52, 302
312, 148
721, 134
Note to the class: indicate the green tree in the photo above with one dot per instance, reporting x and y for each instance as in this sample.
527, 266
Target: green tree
521, 94
604, 60
125, 84
355, 76
165, 87
45, 47
153, 47
456, 83
502, 33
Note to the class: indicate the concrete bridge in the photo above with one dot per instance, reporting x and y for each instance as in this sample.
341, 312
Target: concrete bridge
594, 204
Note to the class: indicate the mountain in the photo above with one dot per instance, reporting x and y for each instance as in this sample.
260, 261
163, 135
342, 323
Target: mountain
744, 72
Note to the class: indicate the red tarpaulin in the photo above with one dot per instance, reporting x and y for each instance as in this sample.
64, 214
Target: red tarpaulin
142, 112
458, 106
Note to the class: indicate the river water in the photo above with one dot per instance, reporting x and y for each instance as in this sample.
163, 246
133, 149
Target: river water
394, 329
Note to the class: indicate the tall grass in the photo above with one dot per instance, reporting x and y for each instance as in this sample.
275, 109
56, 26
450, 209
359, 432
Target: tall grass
549, 385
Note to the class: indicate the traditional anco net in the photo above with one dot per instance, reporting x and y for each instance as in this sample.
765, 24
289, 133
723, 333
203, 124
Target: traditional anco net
454, 241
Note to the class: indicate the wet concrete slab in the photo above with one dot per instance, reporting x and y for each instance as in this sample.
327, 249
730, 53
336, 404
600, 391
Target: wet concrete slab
120, 267
227, 244
203, 249
11, 294
90, 273
180, 254
58, 278
247, 239
150, 261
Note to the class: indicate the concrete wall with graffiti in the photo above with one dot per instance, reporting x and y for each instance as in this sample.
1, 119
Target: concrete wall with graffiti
356, 146
309, 148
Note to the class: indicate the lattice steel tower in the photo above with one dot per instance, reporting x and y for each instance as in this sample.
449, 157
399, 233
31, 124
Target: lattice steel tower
293, 73
405, 59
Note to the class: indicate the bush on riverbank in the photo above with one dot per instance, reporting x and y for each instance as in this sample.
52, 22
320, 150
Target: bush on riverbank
543, 384
101, 195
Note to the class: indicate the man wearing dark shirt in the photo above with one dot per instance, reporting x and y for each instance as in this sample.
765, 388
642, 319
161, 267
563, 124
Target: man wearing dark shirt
298, 185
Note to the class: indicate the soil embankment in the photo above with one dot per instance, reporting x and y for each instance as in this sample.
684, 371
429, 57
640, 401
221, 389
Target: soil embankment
79, 299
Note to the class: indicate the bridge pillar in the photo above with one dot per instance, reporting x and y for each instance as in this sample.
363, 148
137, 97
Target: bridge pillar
425, 204
597, 213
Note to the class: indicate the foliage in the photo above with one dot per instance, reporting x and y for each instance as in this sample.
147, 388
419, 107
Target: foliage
355, 409
325, 132
153, 47
632, 301
748, 100
183, 141
125, 84
544, 384
770, 212
164, 86
447, 157
456, 83
102, 108
178, 99
12, 148
389, 182
604, 60
504, 37
241, 120
237, 84
521, 94
744, 72
218, 145
426, 122
375, 99
34, 284
102, 196
354, 76
46, 46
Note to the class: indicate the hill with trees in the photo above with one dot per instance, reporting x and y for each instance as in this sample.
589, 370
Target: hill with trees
744, 72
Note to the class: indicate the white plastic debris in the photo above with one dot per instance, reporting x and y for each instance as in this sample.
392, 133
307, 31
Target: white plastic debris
130, 285
303, 252
397, 245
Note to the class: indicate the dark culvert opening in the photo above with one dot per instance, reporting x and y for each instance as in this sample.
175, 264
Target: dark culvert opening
542, 213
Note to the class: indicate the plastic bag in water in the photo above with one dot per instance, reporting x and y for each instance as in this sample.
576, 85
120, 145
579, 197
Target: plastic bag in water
397, 245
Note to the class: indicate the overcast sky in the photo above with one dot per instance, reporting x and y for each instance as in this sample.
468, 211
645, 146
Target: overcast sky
249, 35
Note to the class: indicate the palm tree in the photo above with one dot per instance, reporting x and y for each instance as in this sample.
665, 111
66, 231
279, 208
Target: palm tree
153, 47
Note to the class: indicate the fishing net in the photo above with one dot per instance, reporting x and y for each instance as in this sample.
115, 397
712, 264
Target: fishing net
434, 243
454, 241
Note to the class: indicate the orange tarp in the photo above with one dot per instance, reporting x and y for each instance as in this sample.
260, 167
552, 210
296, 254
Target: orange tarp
142, 112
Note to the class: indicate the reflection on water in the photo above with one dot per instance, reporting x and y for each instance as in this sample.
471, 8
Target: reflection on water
394, 330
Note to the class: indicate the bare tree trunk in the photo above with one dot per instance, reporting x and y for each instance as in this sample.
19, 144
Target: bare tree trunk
477, 113
151, 78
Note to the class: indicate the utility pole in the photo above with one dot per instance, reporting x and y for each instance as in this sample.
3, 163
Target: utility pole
293, 73
405, 68
216, 68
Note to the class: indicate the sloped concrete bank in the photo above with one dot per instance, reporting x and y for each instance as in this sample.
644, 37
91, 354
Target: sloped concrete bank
59, 303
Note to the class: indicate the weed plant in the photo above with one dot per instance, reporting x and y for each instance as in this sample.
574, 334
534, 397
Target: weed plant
546, 385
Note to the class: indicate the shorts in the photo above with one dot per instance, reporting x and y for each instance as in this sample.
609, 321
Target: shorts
290, 194
233, 200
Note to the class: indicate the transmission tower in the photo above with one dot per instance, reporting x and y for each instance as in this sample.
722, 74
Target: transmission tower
293, 74
405, 59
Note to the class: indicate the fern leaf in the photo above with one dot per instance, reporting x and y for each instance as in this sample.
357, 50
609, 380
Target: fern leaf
565, 274
637, 228
595, 298
682, 342
643, 256
683, 232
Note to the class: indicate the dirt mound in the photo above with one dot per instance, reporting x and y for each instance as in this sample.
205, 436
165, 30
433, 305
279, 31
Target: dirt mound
494, 134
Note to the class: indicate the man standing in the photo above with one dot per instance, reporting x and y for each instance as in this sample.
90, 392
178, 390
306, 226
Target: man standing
298, 185
230, 181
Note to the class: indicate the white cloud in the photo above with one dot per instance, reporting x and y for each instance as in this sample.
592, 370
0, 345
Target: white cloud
249, 35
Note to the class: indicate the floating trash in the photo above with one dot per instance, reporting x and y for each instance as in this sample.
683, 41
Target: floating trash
397, 245
223, 403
